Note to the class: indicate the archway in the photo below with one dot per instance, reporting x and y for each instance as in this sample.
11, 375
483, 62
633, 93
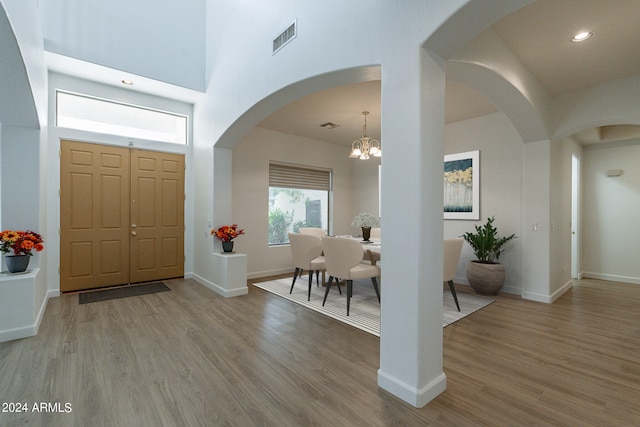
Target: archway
412, 381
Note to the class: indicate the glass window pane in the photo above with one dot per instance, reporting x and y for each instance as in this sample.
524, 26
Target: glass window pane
103, 116
292, 208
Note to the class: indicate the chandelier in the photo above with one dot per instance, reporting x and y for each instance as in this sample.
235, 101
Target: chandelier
363, 148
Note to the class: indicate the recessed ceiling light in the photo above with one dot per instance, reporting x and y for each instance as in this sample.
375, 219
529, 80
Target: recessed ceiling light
580, 37
127, 82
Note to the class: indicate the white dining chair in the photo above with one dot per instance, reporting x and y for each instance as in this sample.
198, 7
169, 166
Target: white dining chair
306, 252
314, 231
375, 233
342, 259
451, 252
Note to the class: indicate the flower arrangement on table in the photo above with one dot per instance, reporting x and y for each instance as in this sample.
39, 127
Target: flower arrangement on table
21, 242
365, 220
226, 234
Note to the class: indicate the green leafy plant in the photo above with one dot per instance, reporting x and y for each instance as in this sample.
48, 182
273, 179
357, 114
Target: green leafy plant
279, 222
486, 244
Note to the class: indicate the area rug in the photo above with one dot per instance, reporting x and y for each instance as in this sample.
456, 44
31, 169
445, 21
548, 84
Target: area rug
365, 309
123, 292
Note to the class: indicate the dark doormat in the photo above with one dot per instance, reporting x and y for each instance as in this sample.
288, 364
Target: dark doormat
123, 292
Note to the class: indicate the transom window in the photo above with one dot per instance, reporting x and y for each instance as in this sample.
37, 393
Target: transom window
298, 197
91, 114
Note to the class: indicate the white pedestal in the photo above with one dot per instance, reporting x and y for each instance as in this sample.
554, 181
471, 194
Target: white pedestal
231, 274
21, 305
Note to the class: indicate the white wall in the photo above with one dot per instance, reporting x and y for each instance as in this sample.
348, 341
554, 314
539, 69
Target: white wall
20, 154
250, 185
55, 134
611, 222
560, 254
364, 187
501, 179
24, 74
167, 45
23, 95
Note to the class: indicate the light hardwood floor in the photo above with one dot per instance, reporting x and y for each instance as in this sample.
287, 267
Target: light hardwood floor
192, 358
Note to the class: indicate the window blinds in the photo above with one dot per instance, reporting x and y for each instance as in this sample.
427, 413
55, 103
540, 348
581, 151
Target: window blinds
292, 176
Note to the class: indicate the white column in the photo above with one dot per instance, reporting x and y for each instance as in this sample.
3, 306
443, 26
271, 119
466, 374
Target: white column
537, 221
411, 364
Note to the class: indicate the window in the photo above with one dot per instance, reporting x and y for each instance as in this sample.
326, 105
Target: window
104, 116
298, 197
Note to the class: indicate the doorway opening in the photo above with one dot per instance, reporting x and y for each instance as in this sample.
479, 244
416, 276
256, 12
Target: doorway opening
575, 217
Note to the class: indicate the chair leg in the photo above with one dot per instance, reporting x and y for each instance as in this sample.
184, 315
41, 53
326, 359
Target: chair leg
349, 293
326, 292
310, 282
318, 278
375, 286
453, 292
295, 276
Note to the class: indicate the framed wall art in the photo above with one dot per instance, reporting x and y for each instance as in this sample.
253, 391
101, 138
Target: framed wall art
462, 185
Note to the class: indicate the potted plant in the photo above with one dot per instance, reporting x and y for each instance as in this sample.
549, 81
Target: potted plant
18, 246
365, 221
226, 234
485, 274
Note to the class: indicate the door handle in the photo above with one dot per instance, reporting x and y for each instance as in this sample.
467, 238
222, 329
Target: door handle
133, 233
133, 226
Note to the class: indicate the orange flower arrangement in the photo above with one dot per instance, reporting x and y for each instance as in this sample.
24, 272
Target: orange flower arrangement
20, 242
227, 233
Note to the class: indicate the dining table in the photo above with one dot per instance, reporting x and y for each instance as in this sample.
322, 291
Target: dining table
371, 247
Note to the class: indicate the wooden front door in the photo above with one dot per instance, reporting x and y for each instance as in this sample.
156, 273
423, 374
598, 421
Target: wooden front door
157, 216
121, 216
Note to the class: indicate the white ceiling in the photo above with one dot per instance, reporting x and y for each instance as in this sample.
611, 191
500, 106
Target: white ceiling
538, 34
344, 105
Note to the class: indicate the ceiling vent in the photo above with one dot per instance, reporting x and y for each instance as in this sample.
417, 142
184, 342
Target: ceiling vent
285, 37
329, 125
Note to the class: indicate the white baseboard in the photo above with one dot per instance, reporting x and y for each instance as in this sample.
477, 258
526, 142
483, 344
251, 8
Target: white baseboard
29, 330
548, 299
267, 273
227, 293
18, 333
51, 293
410, 394
610, 277
564, 288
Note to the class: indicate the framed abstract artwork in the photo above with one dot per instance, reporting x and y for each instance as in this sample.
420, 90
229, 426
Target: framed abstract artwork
462, 185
